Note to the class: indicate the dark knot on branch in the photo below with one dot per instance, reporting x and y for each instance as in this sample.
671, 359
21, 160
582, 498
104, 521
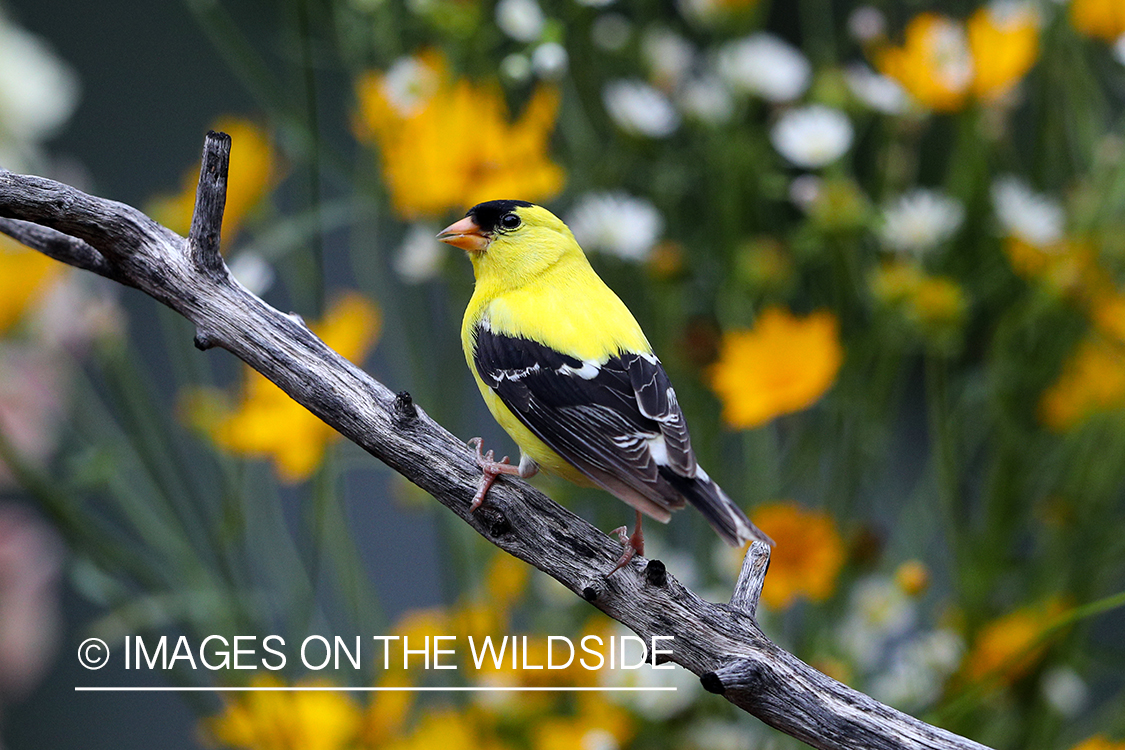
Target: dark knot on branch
655, 573
405, 411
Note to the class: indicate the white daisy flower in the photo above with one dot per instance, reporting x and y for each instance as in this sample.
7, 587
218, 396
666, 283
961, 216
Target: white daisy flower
598, 739
522, 20
1065, 691
879, 612
640, 109
706, 99
1032, 217
878, 92
919, 668
719, 734
38, 91
252, 271
950, 51
516, 67
420, 256
550, 61
765, 65
804, 190
611, 32
408, 85
667, 55
1119, 49
920, 220
813, 136
866, 24
1014, 13
616, 223
654, 705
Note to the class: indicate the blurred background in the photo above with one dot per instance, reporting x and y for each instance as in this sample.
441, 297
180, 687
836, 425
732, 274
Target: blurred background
880, 249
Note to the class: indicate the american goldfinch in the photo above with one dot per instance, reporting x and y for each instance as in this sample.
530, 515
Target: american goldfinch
567, 372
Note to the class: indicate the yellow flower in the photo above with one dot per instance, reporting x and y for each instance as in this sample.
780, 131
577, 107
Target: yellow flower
782, 365
808, 555
943, 63
269, 424
253, 172
939, 300
934, 64
1092, 381
1099, 742
1068, 266
312, 720
506, 579
1009, 647
1108, 314
388, 710
1103, 19
447, 143
25, 276
935, 305
583, 730
447, 729
708, 7
913, 577
1004, 43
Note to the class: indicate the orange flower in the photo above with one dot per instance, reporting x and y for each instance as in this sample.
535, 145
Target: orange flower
913, 577
934, 64
1102, 19
253, 172
1099, 742
1108, 313
808, 555
1009, 647
782, 365
1004, 42
1068, 266
943, 63
267, 423
446, 143
1092, 381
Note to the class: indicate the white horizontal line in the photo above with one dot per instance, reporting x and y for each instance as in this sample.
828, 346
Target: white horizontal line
362, 689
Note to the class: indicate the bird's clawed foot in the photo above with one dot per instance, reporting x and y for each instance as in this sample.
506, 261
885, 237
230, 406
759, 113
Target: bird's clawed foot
634, 544
491, 468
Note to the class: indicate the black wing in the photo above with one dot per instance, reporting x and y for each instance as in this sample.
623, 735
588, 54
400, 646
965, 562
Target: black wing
618, 422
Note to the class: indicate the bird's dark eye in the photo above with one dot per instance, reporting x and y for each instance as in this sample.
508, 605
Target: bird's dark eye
509, 221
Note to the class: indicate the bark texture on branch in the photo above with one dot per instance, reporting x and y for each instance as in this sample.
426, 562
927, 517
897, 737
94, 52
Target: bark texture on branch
719, 642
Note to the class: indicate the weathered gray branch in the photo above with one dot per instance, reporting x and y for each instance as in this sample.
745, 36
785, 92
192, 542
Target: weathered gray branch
720, 643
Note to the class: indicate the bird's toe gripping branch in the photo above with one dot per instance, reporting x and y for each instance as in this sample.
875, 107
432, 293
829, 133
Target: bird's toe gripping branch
490, 468
634, 544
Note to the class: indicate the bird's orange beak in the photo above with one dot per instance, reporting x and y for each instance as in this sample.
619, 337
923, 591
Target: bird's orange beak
465, 234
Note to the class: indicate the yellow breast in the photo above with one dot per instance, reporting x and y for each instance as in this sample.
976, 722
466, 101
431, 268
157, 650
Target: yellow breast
567, 308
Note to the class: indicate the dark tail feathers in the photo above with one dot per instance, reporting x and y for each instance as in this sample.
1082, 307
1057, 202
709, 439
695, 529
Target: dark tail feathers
725, 517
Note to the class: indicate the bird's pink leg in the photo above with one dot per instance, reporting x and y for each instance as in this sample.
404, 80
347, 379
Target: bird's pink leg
491, 468
634, 544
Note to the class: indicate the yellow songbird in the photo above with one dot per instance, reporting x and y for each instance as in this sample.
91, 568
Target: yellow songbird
567, 372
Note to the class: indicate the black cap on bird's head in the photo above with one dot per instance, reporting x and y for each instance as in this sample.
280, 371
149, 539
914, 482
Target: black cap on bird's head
483, 222
489, 215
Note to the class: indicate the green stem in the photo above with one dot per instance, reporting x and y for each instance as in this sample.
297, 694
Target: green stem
991, 680
944, 447
313, 277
